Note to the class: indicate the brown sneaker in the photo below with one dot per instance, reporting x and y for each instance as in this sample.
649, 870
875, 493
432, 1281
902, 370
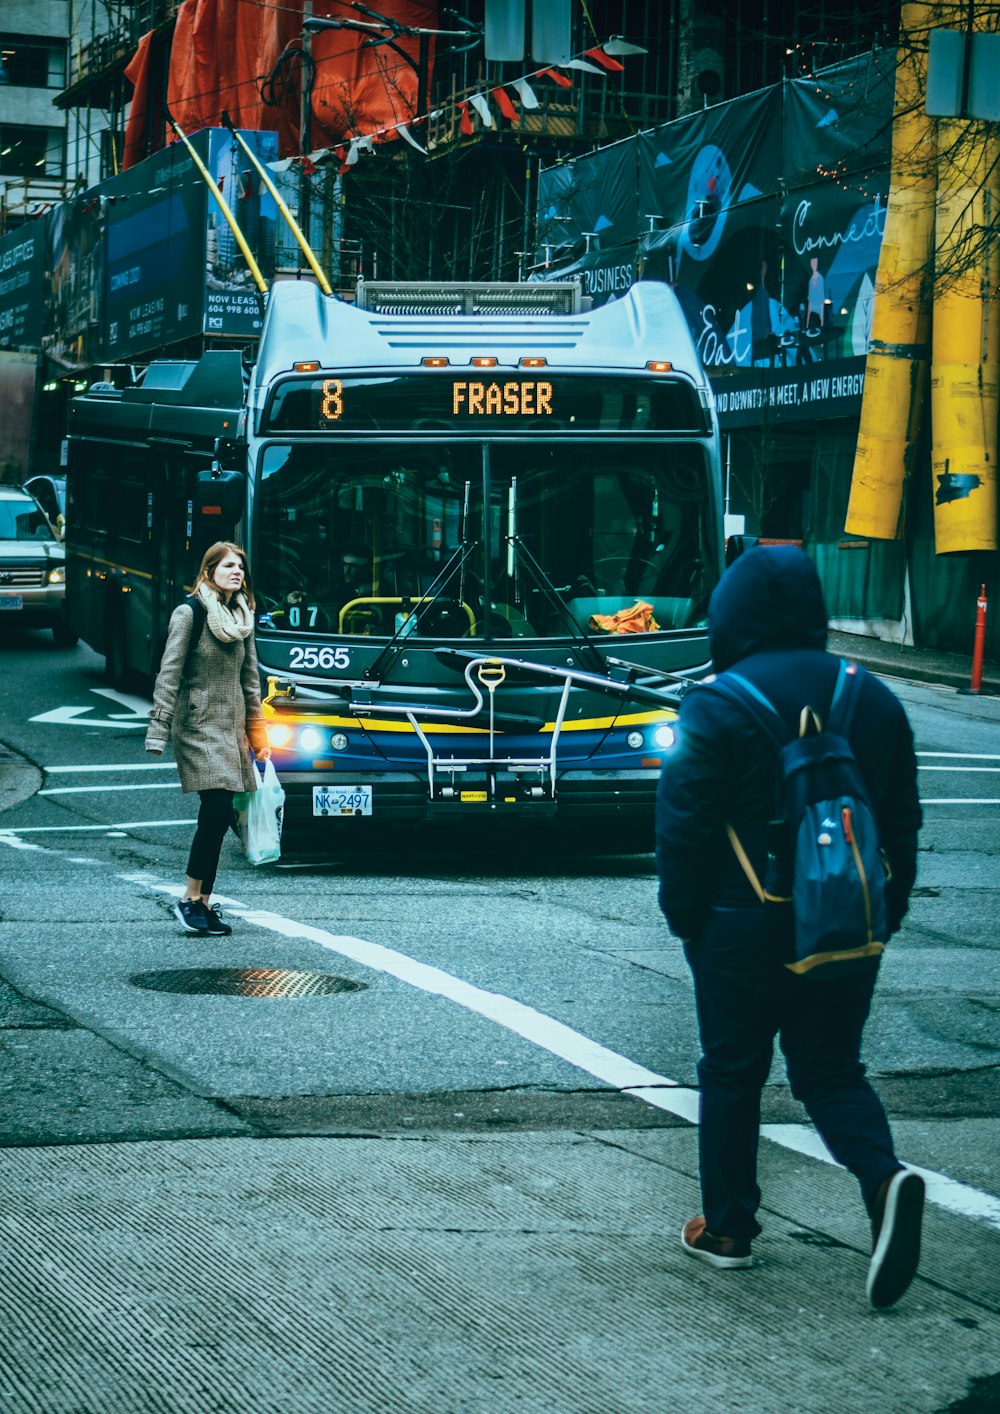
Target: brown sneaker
897, 1214
722, 1252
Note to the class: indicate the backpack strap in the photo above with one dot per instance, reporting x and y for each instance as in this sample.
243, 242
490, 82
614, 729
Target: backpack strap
845, 695
744, 863
759, 707
769, 719
200, 617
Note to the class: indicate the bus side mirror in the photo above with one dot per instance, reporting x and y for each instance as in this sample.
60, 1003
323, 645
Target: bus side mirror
219, 497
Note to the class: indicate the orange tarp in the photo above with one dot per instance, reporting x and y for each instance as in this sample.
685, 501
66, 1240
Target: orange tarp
360, 89
221, 51
144, 129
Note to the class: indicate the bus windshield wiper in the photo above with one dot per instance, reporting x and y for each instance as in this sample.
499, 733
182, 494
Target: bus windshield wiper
584, 645
426, 601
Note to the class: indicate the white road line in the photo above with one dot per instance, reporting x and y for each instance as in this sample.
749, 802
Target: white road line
572, 1046
943, 1191
123, 785
553, 1036
95, 770
961, 800
952, 770
964, 755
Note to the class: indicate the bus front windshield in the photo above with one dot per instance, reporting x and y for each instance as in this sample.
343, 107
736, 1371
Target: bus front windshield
458, 540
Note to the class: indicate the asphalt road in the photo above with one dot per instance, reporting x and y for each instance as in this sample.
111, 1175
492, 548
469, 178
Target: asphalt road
477, 985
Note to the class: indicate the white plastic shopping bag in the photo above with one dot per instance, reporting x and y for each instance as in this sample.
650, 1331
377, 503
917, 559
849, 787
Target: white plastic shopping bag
261, 824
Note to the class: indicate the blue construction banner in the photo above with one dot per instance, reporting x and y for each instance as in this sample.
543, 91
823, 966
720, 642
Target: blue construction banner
73, 320
590, 203
154, 253
765, 215
22, 275
231, 305
174, 269
696, 172
146, 260
838, 124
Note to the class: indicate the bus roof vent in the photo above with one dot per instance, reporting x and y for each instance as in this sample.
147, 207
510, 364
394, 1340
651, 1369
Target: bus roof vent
563, 297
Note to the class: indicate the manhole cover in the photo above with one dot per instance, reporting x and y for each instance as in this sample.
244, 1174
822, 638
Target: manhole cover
246, 982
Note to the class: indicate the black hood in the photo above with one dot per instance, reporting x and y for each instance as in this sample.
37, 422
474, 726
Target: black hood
769, 598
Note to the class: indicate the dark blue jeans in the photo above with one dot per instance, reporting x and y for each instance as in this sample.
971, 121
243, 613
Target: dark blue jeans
745, 997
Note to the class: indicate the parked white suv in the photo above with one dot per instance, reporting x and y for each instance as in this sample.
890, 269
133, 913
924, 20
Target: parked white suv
32, 568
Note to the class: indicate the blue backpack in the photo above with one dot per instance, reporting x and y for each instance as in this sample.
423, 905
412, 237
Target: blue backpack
825, 858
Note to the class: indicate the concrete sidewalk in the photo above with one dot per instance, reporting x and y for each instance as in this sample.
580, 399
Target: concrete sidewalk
916, 664
439, 1273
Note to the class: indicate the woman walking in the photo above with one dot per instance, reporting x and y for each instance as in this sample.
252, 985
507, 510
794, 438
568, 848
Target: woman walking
207, 701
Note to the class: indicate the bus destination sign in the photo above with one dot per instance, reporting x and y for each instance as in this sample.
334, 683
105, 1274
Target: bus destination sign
514, 398
432, 403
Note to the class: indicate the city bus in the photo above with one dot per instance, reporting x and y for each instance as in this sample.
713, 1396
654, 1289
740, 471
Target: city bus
484, 523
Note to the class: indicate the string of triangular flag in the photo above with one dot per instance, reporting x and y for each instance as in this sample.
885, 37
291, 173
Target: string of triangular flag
601, 60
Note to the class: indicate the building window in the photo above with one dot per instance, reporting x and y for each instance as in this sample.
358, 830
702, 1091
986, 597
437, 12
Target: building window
32, 63
31, 152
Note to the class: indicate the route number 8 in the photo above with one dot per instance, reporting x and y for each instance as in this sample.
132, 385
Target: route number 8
332, 406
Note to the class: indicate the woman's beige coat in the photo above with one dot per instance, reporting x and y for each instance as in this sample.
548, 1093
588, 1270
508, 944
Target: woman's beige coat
209, 711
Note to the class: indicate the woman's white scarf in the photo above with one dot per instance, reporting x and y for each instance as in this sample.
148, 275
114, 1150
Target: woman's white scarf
226, 622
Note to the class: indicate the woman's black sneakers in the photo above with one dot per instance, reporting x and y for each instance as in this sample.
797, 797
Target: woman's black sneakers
194, 916
190, 914
214, 923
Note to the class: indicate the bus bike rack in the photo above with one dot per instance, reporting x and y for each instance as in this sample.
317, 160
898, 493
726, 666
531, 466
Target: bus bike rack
491, 675
486, 674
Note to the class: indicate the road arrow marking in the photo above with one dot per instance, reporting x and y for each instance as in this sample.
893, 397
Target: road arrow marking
74, 717
137, 706
136, 716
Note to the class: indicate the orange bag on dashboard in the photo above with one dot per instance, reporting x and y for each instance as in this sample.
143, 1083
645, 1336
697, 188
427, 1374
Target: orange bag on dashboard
638, 619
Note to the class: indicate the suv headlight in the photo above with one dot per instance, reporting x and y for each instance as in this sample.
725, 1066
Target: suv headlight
57, 575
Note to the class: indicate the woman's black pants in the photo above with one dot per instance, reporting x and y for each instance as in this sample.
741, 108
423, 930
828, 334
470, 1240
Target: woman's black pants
214, 819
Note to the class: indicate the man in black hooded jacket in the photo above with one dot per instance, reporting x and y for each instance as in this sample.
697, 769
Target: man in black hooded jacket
767, 615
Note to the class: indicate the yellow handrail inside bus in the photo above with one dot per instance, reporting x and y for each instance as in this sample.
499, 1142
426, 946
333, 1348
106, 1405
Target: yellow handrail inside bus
399, 599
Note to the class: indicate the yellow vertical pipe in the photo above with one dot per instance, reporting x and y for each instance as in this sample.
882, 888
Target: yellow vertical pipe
966, 343
899, 343
223, 205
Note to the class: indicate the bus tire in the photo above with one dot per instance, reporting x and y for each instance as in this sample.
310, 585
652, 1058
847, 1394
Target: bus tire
63, 636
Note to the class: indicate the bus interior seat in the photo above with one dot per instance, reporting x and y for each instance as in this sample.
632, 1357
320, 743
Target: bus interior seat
515, 624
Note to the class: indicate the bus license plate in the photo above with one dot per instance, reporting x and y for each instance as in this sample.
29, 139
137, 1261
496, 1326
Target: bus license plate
11, 601
342, 800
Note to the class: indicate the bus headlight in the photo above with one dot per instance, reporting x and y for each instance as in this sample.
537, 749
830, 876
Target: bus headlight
664, 736
635, 740
311, 739
57, 575
279, 735
339, 741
